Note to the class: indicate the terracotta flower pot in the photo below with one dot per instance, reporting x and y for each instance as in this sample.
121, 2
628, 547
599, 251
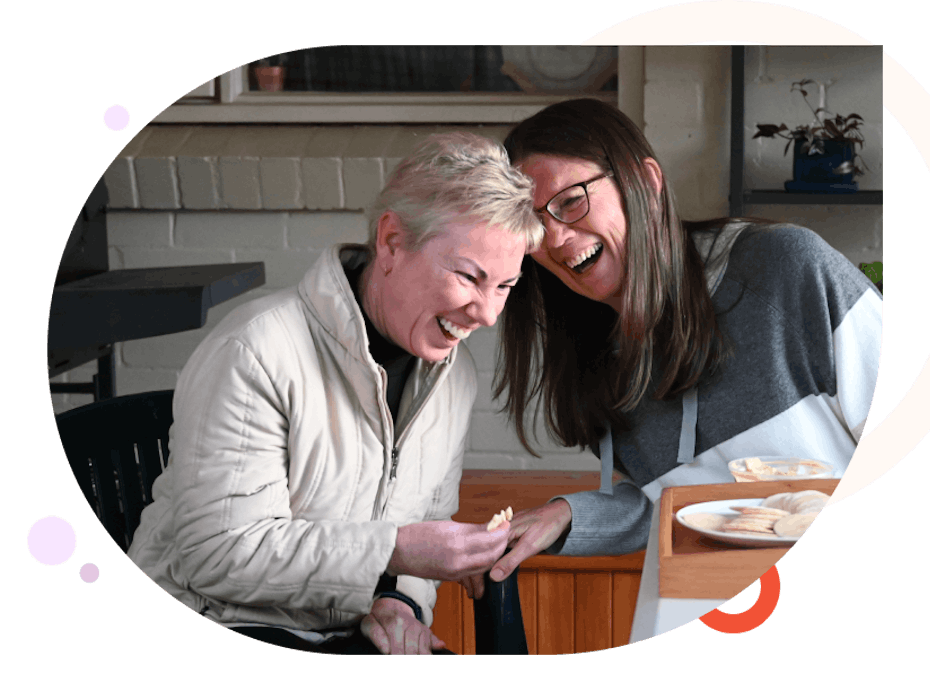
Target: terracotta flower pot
269, 78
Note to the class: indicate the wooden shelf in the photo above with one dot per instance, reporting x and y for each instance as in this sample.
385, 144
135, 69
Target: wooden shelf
863, 197
740, 197
121, 305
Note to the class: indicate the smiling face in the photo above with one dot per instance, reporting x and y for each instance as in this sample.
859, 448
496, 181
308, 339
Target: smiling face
427, 301
586, 255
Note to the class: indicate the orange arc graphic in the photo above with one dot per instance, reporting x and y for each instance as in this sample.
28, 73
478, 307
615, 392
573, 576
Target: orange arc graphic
735, 623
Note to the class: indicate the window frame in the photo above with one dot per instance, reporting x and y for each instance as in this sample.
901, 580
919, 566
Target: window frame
233, 103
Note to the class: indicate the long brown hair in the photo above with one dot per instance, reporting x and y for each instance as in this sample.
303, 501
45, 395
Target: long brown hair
588, 365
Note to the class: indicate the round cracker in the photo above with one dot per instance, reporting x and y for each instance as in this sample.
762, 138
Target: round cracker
761, 511
810, 507
747, 525
794, 525
779, 501
706, 521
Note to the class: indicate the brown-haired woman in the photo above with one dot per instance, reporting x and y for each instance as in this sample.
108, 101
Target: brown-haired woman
626, 315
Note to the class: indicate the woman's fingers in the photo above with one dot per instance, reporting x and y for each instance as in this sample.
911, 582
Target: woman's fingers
447, 550
375, 632
532, 532
474, 586
393, 629
506, 564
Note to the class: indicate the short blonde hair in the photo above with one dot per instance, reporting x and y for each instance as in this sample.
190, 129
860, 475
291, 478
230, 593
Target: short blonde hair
455, 175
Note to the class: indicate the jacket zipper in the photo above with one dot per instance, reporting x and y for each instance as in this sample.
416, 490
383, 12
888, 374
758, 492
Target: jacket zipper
395, 450
394, 457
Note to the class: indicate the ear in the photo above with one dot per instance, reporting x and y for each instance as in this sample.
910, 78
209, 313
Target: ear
389, 241
654, 174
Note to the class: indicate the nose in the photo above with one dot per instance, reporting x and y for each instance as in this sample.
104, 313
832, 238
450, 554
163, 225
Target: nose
483, 309
556, 231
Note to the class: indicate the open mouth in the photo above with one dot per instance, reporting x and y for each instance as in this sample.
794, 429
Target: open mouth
451, 331
581, 262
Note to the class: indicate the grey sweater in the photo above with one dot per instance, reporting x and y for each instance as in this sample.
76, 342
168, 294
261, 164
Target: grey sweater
805, 328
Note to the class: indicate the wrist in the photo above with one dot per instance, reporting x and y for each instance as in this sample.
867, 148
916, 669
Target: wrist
417, 610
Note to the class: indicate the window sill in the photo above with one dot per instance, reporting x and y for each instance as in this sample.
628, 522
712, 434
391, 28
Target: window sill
279, 108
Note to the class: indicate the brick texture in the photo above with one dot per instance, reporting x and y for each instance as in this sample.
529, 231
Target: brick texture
182, 195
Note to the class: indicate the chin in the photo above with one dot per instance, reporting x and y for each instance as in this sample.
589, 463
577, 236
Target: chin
433, 354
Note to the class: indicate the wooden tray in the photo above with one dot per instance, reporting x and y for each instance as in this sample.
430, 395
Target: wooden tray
692, 566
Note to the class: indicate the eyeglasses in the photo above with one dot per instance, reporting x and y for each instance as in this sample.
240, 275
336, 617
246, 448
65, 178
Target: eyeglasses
572, 204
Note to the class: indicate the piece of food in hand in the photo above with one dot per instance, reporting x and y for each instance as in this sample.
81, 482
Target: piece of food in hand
499, 518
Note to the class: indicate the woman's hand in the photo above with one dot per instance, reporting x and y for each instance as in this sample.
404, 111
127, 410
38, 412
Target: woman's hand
394, 629
531, 532
474, 586
446, 550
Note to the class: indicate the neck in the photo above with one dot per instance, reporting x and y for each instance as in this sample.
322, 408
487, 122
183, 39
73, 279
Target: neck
614, 302
370, 292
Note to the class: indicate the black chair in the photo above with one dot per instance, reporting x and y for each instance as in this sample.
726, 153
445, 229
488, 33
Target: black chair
116, 448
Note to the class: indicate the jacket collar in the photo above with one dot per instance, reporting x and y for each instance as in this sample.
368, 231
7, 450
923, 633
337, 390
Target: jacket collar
327, 293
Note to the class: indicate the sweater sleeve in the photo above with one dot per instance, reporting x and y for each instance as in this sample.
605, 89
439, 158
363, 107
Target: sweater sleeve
235, 536
606, 524
857, 348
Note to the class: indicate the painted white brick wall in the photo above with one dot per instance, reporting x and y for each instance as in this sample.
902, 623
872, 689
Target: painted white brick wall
855, 74
190, 195
687, 123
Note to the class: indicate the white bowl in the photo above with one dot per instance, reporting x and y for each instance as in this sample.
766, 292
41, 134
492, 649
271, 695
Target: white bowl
779, 469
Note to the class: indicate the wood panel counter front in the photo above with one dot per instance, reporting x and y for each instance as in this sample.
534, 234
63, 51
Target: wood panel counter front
569, 604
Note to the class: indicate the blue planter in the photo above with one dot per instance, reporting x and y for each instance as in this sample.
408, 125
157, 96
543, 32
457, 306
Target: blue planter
815, 173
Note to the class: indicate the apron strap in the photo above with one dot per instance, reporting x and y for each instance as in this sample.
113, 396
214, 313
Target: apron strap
688, 426
607, 463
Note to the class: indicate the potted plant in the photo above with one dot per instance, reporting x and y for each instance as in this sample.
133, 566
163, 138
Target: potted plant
269, 73
873, 271
826, 157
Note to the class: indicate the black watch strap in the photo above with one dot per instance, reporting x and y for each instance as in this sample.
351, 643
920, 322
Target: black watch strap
417, 611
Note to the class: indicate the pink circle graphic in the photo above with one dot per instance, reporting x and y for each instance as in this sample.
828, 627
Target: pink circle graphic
116, 117
89, 573
51, 540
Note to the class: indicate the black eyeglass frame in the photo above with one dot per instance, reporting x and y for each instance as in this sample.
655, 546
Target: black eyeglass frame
587, 198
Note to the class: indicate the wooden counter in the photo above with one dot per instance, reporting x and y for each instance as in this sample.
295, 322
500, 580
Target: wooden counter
569, 604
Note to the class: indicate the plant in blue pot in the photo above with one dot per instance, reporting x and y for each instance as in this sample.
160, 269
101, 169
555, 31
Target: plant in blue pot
826, 152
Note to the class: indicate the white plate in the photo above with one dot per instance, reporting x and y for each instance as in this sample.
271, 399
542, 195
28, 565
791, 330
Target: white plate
561, 67
724, 508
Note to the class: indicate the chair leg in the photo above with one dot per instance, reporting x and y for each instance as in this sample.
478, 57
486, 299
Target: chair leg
498, 619
105, 379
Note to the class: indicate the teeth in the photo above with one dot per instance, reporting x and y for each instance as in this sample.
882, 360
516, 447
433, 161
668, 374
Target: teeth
454, 330
584, 255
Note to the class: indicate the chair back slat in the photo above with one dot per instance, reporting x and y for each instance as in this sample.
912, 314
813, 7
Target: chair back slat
116, 449
129, 484
108, 494
150, 466
83, 474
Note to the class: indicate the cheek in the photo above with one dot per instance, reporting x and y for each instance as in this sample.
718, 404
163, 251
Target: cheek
542, 256
449, 295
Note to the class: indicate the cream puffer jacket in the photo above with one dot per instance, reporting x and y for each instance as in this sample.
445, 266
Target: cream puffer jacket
287, 479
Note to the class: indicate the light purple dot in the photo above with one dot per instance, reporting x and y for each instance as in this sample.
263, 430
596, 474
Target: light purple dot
89, 573
116, 117
51, 540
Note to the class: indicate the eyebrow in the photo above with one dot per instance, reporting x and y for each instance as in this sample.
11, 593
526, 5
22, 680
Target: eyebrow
484, 275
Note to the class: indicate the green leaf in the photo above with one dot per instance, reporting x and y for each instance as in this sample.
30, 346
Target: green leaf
873, 271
